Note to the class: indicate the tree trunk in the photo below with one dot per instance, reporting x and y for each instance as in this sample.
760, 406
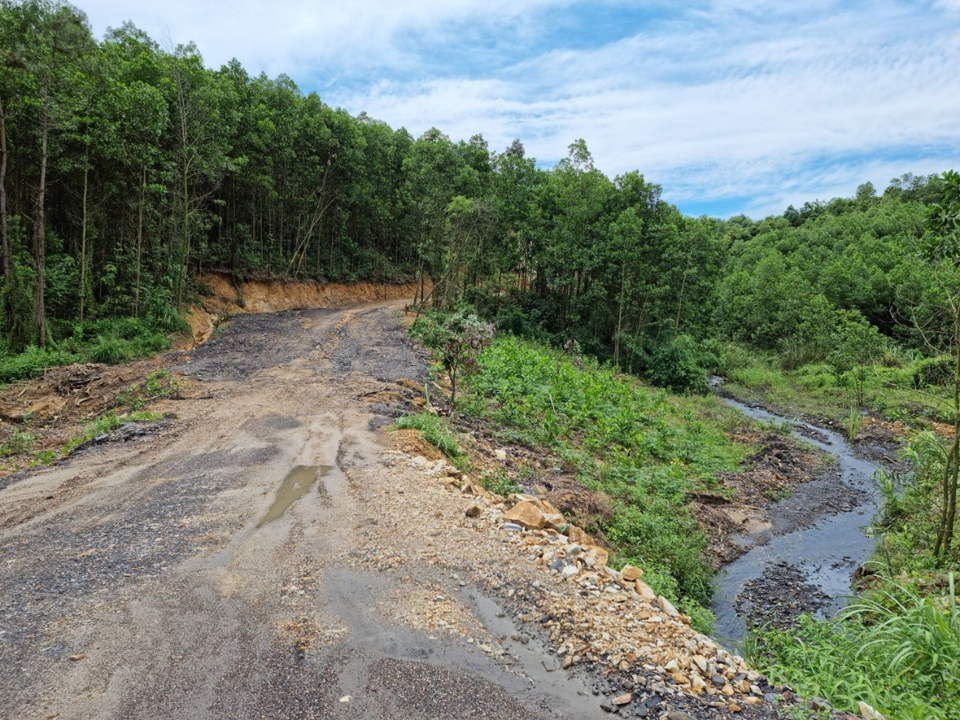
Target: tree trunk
136, 290
4, 239
83, 235
39, 241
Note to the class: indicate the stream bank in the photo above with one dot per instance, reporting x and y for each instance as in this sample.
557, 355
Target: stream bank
803, 557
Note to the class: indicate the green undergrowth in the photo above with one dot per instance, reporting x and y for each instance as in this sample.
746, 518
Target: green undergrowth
897, 387
437, 432
111, 341
644, 448
895, 648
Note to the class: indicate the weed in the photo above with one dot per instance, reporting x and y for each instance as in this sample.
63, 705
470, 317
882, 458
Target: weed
19, 443
101, 426
110, 350
853, 424
893, 648
434, 430
499, 483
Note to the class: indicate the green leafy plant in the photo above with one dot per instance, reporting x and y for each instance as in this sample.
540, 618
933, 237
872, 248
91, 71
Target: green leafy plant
457, 341
20, 442
895, 649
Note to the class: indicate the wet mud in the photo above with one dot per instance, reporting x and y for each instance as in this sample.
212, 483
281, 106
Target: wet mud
813, 539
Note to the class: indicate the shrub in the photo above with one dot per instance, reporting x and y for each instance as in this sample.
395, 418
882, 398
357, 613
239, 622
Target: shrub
934, 371
895, 650
32, 362
110, 350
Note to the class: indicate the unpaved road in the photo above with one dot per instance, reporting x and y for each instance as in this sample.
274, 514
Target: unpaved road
159, 578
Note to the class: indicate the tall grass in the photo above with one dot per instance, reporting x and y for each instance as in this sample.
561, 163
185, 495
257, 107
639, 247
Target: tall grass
895, 649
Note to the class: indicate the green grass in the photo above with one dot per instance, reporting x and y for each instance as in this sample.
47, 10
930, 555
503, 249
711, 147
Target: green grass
101, 426
643, 447
19, 443
895, 649
111, 341
159, 384
437, 432
890, 390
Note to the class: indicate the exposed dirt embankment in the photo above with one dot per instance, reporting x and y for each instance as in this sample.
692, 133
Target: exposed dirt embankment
225, 296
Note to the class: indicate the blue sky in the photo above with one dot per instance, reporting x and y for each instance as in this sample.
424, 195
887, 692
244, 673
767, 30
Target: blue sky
731, 105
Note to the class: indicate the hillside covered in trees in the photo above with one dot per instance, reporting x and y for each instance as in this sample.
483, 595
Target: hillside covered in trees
127, 168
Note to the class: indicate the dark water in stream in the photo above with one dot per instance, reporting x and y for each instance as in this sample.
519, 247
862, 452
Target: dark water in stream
826, 553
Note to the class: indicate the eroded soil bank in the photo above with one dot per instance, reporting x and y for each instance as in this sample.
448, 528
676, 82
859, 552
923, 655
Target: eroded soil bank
224, 296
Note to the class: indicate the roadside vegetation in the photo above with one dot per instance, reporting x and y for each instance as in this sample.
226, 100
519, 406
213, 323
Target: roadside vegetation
642, 447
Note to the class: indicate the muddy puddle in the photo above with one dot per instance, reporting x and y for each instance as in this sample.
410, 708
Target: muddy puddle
298, 482
809, 568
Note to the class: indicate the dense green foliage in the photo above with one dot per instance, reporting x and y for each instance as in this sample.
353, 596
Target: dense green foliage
643, 447
127, 168
897, 650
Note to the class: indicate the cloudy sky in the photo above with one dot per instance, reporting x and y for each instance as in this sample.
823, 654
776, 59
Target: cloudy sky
732, 105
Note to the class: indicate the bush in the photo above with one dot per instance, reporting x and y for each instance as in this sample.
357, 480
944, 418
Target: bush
111, 350
895, 650
32, 362
680, 366
937, 371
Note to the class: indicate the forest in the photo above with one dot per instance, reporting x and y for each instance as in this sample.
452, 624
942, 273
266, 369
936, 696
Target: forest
129, 168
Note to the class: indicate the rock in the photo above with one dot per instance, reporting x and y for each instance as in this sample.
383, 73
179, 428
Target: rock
75, 658
606, 706
868, 713
500, 455
598, 556
645, 591
624, 699
677, 715
578, 536
567, 662
631, 573
554, 521
513, 526
668, 607
727, 690
697, 684
549, 665
818, 704
527, 514
569, 571
473, 511
718, 680
752, 701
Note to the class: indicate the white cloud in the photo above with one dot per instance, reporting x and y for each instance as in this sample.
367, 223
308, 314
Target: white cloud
725, 99
761, 106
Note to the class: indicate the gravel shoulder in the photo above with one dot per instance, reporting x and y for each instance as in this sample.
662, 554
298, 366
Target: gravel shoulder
148, 578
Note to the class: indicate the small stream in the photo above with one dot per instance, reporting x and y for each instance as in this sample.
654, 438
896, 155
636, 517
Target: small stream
827, 553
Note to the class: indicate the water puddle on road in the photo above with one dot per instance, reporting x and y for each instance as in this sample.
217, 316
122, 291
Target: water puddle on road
298, 482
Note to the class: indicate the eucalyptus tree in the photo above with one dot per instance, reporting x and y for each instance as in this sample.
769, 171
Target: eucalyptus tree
47, 41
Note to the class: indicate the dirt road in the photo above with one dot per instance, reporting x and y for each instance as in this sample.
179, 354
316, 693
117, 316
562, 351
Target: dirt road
246, 561
271, 554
